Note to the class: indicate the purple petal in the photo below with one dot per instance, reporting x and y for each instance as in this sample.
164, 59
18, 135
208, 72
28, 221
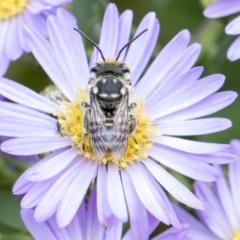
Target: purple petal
67, 207
109, 33
153, 223
234, 177
184, 164
171, 51
69, 49
233, 27
141, 50
22, 128
190, 146
222, 8
116, 231
60, 233
47, 169
189, 94
43, 52
213, 216
4, 28
223, 193
40, 231
20, 94
13, 46
51, 199
34, 195
24, 19
34, 145
125, 25
147, 192
171, 81
195, 127
56, 2
234, 50
115, 194
77, 228
37, 21
137, 212
103, 210
22, 186
172, 185
223, 157
175, 82
197, 229
209, 105
37, 6
17, 111
94, 229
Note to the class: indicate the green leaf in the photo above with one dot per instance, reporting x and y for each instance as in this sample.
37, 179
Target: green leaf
10, 211
17, 236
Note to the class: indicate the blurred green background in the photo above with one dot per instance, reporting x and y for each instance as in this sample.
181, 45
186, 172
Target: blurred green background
174, 15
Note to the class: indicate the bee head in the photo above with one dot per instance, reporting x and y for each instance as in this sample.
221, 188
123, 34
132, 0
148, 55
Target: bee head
110, 80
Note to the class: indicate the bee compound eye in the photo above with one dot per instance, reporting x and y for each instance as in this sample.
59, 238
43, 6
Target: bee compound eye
94, 69
125, 70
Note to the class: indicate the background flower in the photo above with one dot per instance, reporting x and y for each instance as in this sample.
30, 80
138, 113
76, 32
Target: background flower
221, 218
13, 16
175, 98
222, 8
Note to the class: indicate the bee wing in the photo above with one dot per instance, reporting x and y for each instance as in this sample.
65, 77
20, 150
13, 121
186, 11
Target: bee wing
114, 139
120, 127
97, 128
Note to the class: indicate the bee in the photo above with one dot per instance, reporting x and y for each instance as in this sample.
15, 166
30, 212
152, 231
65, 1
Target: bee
108, 117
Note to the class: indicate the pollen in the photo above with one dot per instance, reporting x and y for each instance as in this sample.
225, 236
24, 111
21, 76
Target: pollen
236, 236
71, 123
11, 8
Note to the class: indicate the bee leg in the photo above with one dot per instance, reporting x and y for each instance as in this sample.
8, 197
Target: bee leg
86, 127
132, 125
132, 106
83, 142
86, 121
85, 105
58, 126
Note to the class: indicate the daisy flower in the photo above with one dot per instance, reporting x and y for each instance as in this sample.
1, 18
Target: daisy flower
85, 226
13, 16
168, 98
222, 8
221, 218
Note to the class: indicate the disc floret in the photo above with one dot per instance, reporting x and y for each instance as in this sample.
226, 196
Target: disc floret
11, 8
236, 235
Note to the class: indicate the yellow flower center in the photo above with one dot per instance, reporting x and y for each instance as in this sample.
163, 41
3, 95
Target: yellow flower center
236, 235
71, 124
11, 8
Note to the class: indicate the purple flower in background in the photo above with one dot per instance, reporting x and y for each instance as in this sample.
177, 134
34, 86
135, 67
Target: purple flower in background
85, 226
222, 8
221, 218
169, 95
13, 16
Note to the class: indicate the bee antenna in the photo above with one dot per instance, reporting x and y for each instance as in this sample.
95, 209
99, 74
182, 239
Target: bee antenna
92, 42
128, 44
